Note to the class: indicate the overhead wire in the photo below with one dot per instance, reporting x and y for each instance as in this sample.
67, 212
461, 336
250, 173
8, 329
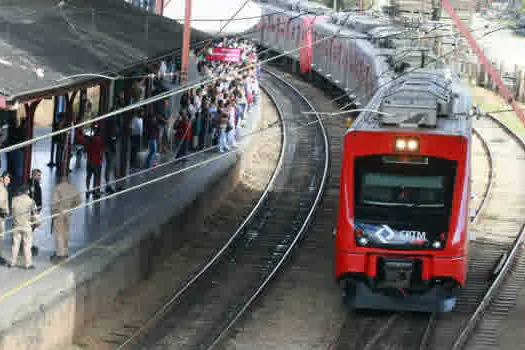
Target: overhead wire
260, 130
137, 173
160, 178
165, 163
131, 175
152, 99
431, 61
172, 54
158, 98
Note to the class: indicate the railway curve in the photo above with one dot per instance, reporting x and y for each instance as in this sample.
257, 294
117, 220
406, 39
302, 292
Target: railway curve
199, 313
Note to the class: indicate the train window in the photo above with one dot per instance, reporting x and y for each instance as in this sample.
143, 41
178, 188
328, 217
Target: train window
401, 190
407, 196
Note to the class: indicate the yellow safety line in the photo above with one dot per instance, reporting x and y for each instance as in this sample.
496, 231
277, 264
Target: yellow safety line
47, 271
105, 246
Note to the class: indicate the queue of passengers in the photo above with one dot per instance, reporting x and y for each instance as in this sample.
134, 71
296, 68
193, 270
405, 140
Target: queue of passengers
208, 116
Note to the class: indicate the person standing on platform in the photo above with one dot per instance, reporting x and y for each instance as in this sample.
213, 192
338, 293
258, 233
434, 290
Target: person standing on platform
95, 151
152, 131
64, 198
35, 192
4, 206
182, 134
25, 214
137, 125
163, 119
113, 134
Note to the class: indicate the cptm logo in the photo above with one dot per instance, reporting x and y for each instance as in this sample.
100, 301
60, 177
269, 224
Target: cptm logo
386, 234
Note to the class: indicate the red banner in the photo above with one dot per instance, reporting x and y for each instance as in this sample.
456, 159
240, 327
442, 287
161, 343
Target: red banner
225, 54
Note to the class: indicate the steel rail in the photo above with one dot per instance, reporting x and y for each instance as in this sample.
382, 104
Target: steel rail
492, 174
477, 315
479, 210
486, 194
305, 224
159, 313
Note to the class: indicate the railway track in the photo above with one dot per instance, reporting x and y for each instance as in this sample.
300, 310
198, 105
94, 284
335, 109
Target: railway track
359, 330
411, 330
498, 231
198, 314
303, 308
496, 247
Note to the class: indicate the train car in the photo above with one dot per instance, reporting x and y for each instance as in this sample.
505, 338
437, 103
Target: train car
401, 240
287, 29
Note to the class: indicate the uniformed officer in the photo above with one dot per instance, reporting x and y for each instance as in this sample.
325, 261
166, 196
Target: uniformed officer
4, 206
25, 214
64, 198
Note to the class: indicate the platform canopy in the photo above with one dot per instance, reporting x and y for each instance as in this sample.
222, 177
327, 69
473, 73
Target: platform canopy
44, 41
211, 15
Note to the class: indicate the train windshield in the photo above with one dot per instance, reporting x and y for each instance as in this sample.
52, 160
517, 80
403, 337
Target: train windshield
388, 189
406, 202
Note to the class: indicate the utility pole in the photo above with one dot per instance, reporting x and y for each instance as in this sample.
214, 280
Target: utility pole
159, 7
186, 44
475, 47
335, 6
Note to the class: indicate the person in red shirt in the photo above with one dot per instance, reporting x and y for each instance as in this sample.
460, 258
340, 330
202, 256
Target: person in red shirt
183, 133
95, 151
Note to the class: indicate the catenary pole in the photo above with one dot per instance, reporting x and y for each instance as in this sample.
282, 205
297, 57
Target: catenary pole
483, 59
186, 43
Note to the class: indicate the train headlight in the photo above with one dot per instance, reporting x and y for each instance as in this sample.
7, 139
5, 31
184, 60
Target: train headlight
362, 241
401, 144
436, 244
410, 144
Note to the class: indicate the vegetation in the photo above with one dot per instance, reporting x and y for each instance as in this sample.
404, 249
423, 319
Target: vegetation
490, 101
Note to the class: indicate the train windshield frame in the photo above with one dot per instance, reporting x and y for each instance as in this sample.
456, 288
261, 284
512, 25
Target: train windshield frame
412, 199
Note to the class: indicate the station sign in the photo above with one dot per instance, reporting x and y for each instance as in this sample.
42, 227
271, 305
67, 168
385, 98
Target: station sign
224, 54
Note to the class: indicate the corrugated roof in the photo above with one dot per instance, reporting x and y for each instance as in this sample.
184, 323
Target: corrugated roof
81, 36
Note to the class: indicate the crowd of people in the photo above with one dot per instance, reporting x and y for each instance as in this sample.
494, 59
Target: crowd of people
205, 118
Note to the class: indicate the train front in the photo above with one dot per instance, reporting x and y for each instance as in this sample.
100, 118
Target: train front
401, 239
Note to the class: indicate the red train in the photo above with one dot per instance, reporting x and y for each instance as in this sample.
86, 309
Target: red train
401, 238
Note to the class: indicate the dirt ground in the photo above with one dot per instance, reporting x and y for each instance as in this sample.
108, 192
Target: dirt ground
132, 306
491, 101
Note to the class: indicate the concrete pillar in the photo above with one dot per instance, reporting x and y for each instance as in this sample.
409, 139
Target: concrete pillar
159, 10
64, 162
125, 123
186, 43
30, 109
103, 106
53, 128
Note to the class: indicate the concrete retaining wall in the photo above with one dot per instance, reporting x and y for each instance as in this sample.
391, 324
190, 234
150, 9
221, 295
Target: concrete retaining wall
50, 312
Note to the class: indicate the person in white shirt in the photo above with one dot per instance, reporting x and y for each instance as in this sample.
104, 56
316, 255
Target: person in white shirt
231, 122
137, 126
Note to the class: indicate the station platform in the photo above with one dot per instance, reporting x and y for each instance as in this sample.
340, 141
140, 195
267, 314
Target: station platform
109, 246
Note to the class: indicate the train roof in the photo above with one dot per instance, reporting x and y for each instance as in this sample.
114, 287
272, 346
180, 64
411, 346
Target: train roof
426, 101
